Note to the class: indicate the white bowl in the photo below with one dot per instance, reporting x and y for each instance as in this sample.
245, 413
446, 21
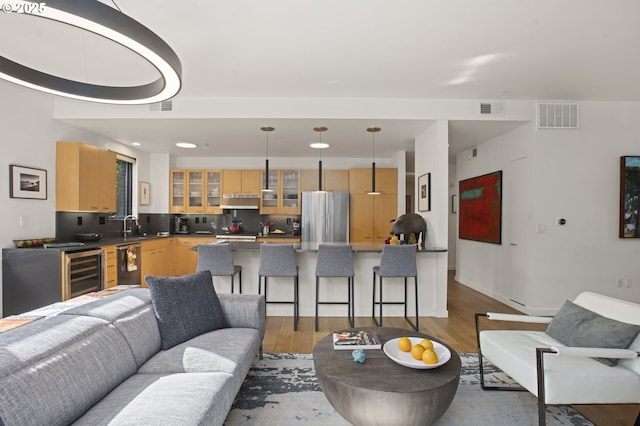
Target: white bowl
404, 358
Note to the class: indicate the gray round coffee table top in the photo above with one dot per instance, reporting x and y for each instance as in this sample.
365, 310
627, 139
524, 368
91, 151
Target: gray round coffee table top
380, 391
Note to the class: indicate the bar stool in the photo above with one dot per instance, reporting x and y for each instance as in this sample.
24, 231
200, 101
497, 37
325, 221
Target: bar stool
336, 261
396, 261
279, 260
218, 258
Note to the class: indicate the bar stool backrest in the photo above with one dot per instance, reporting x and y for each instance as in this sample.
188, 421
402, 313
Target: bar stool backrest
335, 261
398, 261
277, 260
217, 258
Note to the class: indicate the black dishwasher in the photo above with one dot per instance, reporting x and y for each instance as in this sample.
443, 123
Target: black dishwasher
128, 263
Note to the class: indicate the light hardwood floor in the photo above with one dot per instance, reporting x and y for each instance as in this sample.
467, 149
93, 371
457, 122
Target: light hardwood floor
458, 330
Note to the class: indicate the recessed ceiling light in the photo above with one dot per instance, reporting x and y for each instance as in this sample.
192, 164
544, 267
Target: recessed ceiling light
319, 145
186, 145
136, 144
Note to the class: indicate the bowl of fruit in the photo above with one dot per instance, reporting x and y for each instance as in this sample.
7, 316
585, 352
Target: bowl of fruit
417, 352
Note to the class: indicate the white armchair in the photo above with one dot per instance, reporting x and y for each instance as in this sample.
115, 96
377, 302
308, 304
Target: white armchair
558, 373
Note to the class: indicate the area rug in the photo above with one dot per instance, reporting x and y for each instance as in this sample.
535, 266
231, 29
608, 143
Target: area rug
282, 389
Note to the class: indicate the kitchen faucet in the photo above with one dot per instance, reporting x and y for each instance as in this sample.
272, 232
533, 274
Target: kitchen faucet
126, 231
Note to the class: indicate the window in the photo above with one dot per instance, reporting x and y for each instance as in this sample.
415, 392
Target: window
124, 186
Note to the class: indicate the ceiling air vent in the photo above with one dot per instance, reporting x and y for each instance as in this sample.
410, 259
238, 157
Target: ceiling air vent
164, 106
558, 115
492, 108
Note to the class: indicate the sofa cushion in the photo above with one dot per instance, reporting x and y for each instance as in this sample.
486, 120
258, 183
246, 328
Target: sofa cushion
62, 366
185, 307
164, 399
574, 325
130, 311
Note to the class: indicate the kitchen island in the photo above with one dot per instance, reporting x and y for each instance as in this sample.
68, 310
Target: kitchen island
432, 281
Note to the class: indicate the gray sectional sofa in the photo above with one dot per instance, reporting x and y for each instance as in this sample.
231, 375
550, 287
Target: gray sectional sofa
102, 363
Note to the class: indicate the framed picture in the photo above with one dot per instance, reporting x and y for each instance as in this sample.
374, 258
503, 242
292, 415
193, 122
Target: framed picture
480, 206
27, 182
145, 198
424, 193
629, 197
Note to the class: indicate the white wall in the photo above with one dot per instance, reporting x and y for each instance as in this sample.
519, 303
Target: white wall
453, 217
28, 134
431, 156
573, 174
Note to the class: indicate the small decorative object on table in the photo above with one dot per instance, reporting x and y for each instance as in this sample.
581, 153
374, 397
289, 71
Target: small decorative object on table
356, 339
359, 356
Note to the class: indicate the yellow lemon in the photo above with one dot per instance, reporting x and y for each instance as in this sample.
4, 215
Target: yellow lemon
429, 357
426, 343
416, 352
404, 344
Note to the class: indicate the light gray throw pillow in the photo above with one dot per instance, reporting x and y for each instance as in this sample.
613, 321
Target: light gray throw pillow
185, 307
576, 326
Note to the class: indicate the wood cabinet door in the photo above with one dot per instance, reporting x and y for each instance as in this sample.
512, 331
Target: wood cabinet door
110, 266
195, 191
232, 181
385, 210
336, 180
289, 192
213, 191
107, 182
89, 177
251, 183
361, 218
386, 180
177, 191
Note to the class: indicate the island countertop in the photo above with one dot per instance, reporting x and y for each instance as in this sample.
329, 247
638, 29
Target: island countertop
313, 247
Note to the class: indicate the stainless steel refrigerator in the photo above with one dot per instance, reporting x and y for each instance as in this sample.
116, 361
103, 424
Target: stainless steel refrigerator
325, 217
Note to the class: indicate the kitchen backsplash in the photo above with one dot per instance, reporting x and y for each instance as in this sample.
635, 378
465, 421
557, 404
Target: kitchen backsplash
69, 224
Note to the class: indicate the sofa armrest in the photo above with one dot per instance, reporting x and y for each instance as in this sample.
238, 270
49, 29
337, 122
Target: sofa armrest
519, 318
595, 352
244, 310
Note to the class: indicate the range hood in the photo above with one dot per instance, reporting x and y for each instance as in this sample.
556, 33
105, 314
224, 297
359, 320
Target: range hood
240, 201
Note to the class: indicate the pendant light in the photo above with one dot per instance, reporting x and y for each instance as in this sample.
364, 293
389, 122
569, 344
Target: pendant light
373, 131
266, 160
320, 146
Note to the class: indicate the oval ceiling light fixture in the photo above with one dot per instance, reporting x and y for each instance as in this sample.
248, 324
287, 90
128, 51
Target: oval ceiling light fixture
188, 145
136, 144
98, 18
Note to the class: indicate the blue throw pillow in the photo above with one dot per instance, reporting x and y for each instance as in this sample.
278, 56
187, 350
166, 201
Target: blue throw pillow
576, 326
185, 307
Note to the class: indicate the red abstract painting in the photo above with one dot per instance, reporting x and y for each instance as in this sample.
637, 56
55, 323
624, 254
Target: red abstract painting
480, 212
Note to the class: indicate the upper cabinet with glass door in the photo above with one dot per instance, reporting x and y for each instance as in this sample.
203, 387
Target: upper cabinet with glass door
177, 196
195, 185
290, 191
213, 188
269, 198
284, 197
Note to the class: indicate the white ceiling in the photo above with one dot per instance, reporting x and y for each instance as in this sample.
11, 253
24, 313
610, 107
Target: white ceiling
407, 49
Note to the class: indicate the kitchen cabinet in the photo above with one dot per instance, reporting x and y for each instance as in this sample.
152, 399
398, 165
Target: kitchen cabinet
185, 258
237, 181
276, 240
213, 191
187, 191
85, 178
332, 180
157, 258
370, 217
285, 197
386, 180
109, 263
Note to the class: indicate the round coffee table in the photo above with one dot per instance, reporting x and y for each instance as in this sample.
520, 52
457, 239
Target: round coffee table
381, 392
